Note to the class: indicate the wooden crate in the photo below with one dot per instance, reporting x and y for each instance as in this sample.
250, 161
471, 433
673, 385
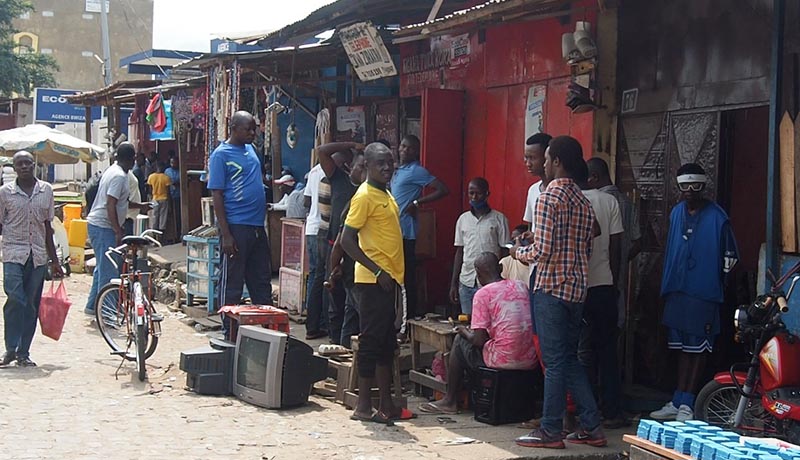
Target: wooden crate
291, 289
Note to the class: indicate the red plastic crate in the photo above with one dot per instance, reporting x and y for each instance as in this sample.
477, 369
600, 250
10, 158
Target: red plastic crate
250, 315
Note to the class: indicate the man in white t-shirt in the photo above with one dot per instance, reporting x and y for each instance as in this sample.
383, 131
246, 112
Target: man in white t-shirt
597, 350
317, 320
535, 147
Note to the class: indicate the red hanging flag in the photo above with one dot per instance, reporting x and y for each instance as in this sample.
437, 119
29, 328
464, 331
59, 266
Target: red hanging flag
155, 114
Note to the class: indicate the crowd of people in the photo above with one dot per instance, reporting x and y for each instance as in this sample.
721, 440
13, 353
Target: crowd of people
546, 293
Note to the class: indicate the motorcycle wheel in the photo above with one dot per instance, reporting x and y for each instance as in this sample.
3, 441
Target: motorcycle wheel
716, 404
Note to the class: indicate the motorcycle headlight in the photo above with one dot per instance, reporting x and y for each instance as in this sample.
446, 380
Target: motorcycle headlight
739, 317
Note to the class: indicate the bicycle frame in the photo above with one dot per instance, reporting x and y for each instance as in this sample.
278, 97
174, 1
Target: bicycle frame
131, 299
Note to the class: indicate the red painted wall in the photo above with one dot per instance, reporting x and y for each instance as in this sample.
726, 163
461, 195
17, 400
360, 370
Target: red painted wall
503, 64
511, 59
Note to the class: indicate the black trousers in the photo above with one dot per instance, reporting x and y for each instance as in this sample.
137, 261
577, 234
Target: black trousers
597, 348
252, 264
377, 340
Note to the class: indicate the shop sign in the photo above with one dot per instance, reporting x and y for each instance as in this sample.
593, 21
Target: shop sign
94, 6
460, 50
534, 110
366, 51
50, 106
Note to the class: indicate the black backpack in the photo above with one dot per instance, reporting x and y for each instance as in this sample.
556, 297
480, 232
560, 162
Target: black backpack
91, 191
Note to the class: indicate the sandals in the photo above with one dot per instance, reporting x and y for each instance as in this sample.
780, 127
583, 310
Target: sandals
404, 414
433, 409
376, 417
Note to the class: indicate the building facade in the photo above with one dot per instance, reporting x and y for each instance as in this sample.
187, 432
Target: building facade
69, 30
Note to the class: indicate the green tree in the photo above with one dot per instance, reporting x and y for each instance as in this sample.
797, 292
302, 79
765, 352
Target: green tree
20, 69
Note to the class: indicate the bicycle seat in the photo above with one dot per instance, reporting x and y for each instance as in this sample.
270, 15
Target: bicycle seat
136, 241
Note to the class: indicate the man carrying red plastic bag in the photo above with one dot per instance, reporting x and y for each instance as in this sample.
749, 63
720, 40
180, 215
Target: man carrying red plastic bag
26, 210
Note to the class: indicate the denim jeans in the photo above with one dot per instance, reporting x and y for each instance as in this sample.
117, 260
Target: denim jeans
316, 300
558, 325
311, 249
101, 239
465, 296
23, 287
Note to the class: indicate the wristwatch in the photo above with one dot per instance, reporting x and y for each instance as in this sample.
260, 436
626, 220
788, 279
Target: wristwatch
415, 203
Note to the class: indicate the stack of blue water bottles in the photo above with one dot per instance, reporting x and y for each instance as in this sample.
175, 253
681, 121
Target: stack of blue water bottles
707, 442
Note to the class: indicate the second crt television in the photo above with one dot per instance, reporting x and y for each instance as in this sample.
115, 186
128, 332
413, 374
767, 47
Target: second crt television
274, 370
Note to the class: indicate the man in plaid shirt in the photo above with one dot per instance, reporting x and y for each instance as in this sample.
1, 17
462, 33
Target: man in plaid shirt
562, 245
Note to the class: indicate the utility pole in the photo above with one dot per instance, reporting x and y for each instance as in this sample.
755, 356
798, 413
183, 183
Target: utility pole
106, 45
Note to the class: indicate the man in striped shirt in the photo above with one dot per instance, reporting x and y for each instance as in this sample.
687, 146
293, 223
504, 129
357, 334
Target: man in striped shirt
562, 245
26, 209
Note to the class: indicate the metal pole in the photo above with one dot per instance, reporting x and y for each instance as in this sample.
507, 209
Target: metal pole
773, 190
88, 127
106, 46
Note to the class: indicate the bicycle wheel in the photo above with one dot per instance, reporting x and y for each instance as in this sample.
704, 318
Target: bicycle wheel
113, 324
141, 345
150, 339
112, 320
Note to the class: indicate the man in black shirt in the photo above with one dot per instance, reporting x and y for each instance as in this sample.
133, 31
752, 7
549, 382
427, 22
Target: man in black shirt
335, 191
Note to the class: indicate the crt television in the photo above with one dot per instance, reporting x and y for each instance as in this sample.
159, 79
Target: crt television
274, 370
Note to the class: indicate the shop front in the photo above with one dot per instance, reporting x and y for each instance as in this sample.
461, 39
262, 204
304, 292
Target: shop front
474, 93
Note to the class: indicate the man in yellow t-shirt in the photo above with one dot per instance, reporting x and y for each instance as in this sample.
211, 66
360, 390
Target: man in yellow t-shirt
372, 237
159, 184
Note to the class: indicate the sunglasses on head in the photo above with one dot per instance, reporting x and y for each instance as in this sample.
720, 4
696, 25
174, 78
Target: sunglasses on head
691, 186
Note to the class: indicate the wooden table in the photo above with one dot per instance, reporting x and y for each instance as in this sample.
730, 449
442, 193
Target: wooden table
436, 334
642, 449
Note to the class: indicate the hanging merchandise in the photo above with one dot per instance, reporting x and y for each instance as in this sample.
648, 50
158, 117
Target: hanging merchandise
291, 135
167, 133
222, 94
156, 116
322, 128
291, 130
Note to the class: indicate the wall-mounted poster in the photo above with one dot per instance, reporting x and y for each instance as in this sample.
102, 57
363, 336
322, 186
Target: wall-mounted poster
350, 124
534, 110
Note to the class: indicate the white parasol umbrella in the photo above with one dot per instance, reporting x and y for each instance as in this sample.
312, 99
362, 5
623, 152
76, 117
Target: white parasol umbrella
48, 145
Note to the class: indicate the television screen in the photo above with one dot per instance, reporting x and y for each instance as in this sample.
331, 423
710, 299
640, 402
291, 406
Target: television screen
251, 371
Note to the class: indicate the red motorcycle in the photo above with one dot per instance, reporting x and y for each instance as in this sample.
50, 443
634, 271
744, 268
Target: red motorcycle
761, 397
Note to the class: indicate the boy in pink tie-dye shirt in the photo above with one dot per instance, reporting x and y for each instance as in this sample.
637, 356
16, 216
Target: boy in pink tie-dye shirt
501, 333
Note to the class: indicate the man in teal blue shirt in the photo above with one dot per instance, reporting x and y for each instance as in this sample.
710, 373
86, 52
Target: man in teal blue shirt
234, 178
407, 183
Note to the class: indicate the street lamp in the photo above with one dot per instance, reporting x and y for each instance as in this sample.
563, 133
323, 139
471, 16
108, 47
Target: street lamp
102, 65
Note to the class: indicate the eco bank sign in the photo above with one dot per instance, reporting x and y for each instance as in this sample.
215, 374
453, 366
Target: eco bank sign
50, 106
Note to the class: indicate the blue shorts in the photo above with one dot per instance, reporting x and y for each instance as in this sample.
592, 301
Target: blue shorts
688, 343
693, 323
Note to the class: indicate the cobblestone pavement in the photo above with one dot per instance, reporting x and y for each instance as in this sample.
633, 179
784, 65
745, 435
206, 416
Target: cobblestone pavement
73, 407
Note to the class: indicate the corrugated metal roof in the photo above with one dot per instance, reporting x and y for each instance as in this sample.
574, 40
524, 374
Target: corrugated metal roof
484, 10
345, 12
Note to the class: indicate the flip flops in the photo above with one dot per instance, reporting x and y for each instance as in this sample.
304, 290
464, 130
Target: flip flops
405, 414
375, 417
431, 408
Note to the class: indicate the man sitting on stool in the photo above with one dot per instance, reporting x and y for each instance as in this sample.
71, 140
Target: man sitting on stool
501, 332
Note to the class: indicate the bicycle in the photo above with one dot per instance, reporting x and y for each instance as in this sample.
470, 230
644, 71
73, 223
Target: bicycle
124, 313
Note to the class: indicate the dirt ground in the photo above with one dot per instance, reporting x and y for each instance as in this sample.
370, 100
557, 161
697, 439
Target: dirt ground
78, 403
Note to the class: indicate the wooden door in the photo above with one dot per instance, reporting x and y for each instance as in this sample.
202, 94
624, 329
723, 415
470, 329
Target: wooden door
442, 154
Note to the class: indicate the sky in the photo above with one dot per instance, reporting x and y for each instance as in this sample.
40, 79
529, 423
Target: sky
189, 25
